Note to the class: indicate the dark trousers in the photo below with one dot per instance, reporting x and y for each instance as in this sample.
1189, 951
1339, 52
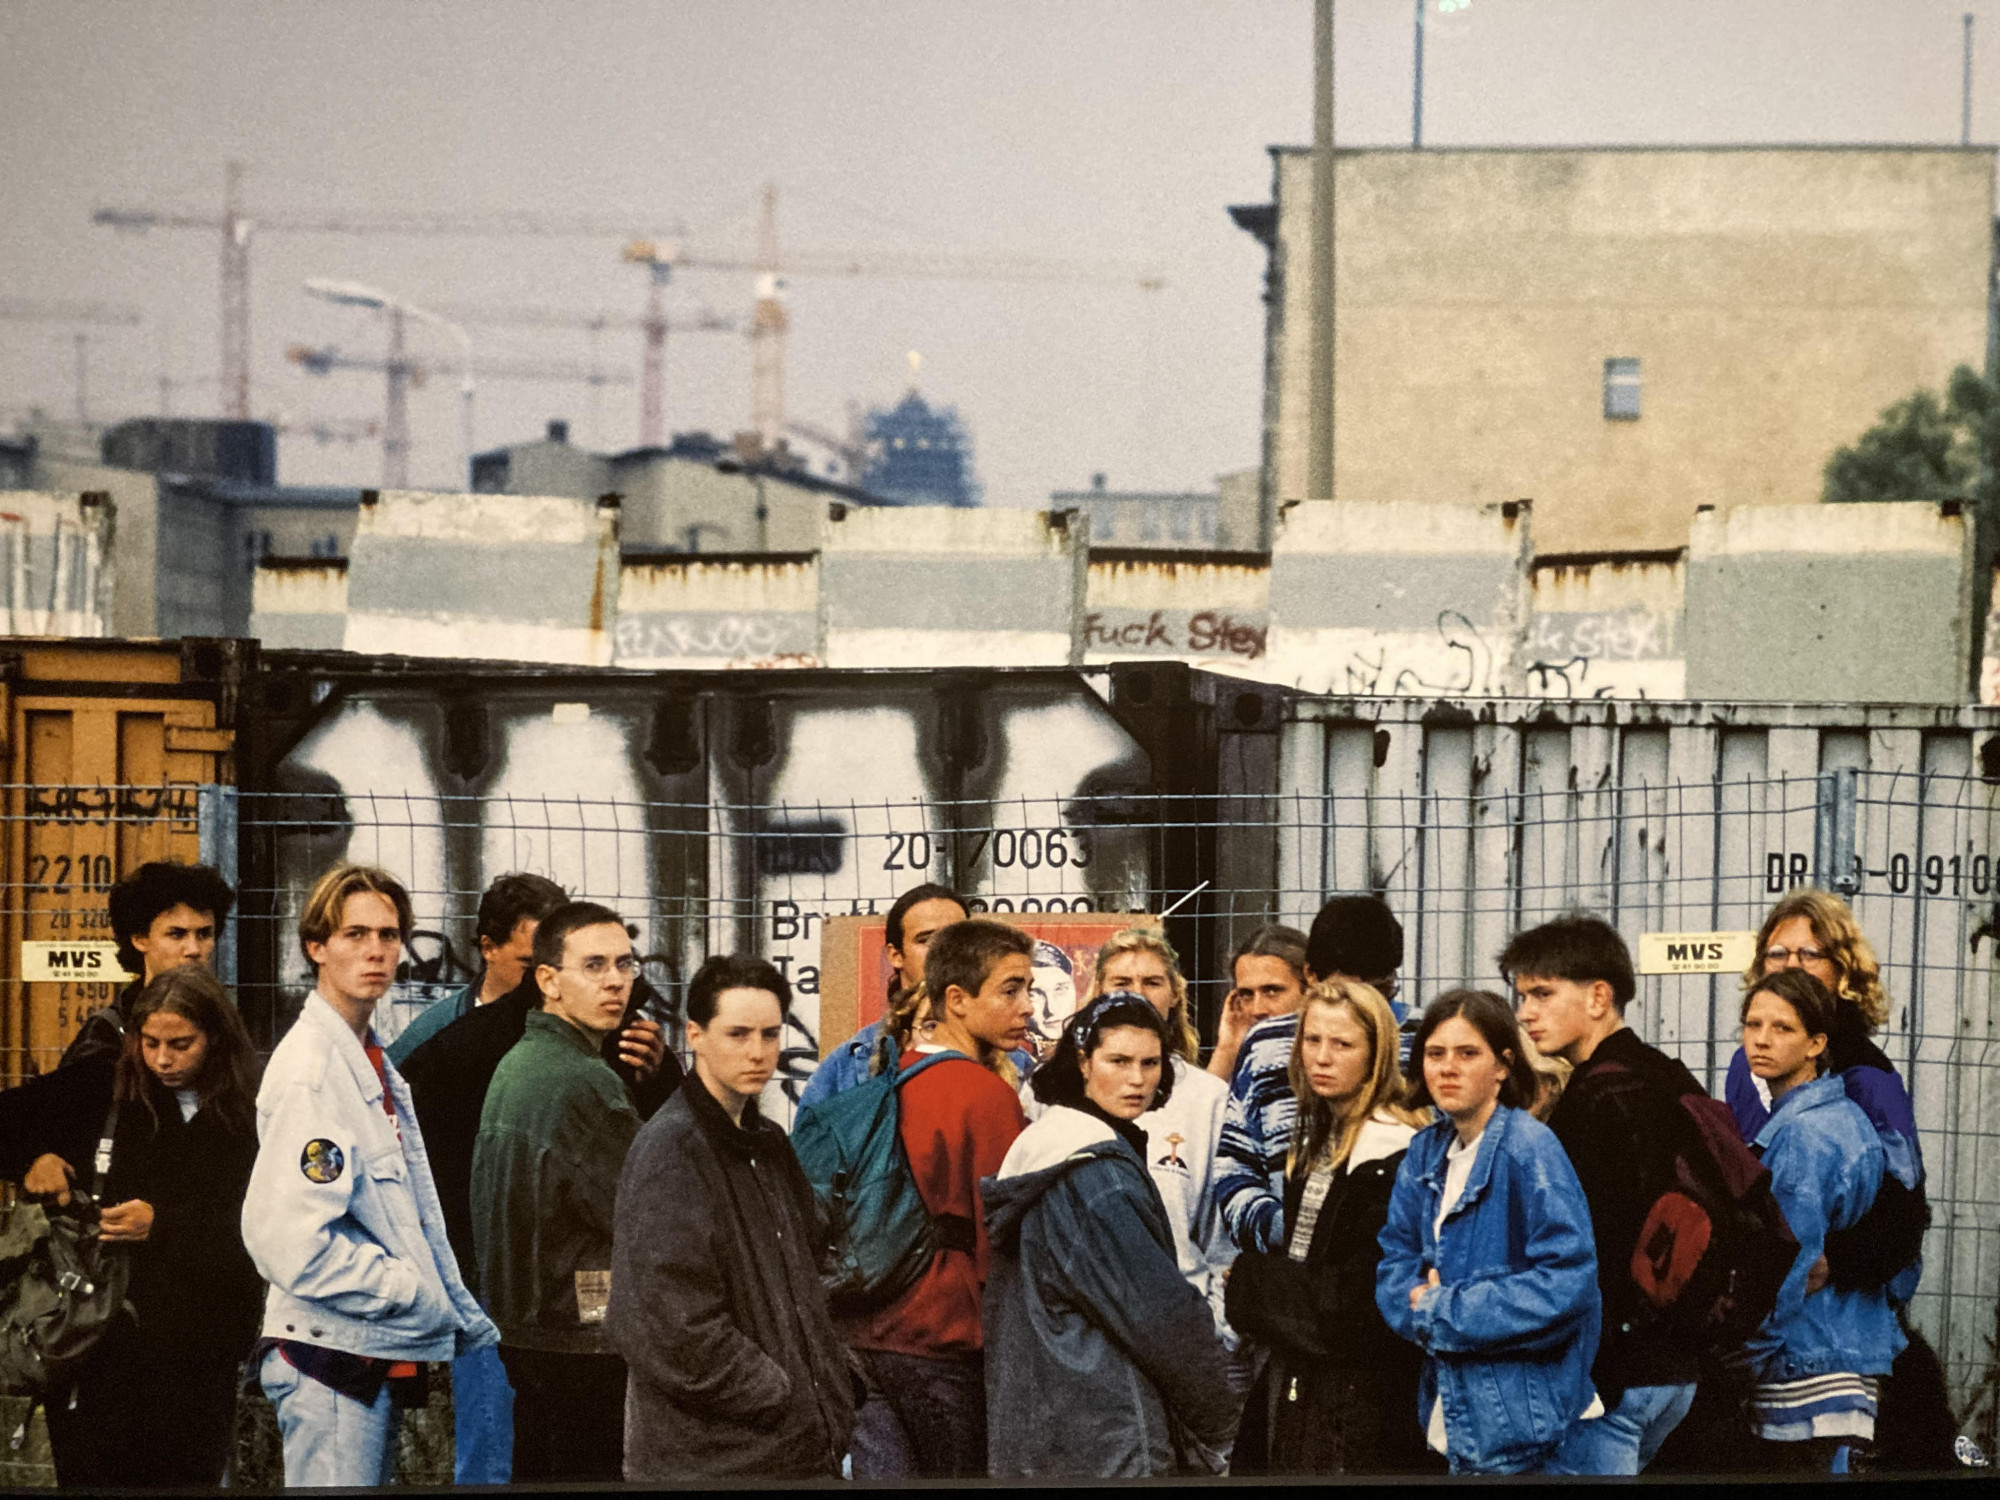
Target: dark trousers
569, 1415
925, 1418
144, 1417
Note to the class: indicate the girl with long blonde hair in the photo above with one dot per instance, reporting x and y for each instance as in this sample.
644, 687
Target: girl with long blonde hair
1342, 1387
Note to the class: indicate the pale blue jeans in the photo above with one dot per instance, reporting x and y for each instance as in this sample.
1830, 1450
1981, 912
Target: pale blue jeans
1625, 1438
330, 1439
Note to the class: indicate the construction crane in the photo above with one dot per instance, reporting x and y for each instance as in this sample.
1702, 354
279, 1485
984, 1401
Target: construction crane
403, 372
76, 315
661, 256
770, 321
236, 226
655, 324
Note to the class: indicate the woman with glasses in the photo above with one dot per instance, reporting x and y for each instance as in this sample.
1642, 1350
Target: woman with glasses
1101, 1360
1815, 932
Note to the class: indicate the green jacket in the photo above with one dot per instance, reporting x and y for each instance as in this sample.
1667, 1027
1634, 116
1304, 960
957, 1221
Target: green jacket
552, 1138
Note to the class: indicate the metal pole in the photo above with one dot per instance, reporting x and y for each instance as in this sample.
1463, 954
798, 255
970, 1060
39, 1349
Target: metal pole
1417, 93
1965, 89
1319, 448
216, 826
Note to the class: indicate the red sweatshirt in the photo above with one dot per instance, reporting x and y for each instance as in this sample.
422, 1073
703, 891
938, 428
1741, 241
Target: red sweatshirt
957, 1122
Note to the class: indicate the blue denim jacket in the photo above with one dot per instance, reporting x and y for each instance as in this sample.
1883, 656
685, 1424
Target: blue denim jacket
1512, 1331
1826, 1163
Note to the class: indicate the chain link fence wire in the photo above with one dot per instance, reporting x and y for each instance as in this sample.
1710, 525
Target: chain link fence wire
1464, 859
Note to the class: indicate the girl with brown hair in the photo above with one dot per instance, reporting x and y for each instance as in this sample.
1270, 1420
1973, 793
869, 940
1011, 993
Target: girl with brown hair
155, 1403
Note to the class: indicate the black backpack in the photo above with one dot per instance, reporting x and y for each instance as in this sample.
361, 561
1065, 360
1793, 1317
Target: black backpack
59, 1296
1714, 1247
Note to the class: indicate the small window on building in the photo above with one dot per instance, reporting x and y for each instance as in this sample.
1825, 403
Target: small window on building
1621, 390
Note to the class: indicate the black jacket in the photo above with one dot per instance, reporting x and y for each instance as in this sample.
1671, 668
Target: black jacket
1343, 1386
716, 1304
1621, 1125
448, 1076
194, 1289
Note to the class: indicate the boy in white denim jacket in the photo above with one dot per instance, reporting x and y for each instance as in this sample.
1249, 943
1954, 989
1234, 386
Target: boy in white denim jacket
342, 1216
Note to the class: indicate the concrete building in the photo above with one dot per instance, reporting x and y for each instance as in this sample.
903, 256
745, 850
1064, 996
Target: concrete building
695, 495
1224, 519
1619, 334
188, 535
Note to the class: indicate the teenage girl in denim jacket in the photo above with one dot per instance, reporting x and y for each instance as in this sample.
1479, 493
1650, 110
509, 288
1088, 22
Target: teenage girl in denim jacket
1488, 1260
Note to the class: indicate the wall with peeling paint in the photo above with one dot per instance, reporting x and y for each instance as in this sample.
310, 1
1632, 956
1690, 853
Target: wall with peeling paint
55, 575
1608, 626
745, 611
504, 577
1399, 597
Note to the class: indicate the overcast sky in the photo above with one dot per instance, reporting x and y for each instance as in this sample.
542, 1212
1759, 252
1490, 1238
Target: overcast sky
1088, 131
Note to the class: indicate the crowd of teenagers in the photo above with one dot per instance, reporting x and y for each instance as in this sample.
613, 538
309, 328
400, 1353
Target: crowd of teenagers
1495, 1234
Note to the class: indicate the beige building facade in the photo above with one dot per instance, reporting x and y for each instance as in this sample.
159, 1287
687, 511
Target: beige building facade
1619, 334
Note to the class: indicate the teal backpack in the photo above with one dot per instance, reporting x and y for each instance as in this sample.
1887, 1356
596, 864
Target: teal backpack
879, 1235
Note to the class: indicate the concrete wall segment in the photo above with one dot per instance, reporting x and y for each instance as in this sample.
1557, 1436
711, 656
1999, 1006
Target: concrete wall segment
1857, 603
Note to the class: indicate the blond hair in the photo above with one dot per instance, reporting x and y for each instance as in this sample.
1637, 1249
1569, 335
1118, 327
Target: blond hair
1551, 1077
1325, 1130
1187, 1042
1857, 974
329, 898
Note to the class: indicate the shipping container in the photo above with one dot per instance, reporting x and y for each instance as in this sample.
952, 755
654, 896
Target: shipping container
107, 746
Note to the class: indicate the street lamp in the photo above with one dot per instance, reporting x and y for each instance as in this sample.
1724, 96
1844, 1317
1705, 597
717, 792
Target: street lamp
395, 438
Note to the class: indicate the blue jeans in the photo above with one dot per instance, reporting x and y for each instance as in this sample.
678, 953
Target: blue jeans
1625, 1438
330, 1439
482, 1418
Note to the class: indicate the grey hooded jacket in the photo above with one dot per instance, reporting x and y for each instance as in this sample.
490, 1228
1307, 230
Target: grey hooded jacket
1101, 1360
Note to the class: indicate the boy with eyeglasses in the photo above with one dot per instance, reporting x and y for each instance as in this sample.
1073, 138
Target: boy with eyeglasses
552, 1137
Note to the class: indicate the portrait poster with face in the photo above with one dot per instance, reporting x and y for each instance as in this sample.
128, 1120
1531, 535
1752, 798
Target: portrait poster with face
855, 971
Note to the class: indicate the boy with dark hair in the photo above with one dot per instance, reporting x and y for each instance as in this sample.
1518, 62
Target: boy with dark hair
508, 914
162, 916
1353, 937
449, 1075
1617, 1121
919, 915
716, 1300
552, 1137
925, 1416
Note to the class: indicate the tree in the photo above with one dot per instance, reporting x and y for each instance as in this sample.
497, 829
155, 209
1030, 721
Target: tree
1924, 447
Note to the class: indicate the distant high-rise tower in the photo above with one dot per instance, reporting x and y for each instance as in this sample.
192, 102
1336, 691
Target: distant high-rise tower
919, 454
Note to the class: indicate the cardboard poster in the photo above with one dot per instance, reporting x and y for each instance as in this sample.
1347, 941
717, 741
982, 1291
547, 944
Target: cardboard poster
854, 968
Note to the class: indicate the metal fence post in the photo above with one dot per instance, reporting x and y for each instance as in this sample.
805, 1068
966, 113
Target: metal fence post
1833, 833
216, 823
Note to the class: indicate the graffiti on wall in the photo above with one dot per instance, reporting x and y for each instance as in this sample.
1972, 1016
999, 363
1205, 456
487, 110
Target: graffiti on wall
1188, 633
810, 807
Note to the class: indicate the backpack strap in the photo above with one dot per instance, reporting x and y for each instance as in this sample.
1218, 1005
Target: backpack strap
930, 1060
949, 1231
101, 1168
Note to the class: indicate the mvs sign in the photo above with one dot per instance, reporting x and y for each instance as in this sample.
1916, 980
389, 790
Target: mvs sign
88, 963
1696, 952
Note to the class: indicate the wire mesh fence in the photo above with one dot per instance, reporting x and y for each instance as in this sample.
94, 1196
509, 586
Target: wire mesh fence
1463, 855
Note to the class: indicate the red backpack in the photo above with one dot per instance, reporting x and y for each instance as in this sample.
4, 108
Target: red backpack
1714, 1248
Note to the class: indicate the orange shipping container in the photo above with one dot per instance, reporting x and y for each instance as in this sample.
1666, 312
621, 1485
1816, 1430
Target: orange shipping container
107, 744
